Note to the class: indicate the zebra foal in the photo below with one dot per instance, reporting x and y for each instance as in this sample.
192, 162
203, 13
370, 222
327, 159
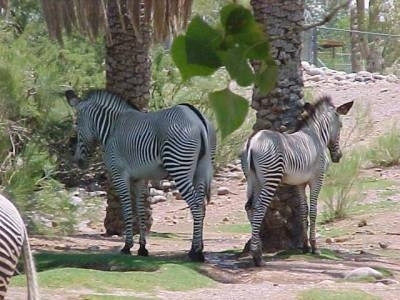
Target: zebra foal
13, 242
299, 158
139, 146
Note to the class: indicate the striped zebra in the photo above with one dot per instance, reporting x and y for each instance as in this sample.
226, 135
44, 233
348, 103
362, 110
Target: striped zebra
299, 158
13, 241
177, 142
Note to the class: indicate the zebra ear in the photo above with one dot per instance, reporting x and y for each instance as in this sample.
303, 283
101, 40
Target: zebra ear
344, 108
72, 98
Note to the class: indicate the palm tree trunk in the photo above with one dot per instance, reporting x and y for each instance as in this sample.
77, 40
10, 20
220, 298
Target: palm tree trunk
128, 75
280, 109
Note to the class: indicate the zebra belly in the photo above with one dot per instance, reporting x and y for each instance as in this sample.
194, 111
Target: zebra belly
153, 170
296, 178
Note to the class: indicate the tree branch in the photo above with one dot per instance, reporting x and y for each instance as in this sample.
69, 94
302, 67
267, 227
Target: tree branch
328, 17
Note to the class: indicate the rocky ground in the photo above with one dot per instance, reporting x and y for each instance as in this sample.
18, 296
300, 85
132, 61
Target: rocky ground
370, 239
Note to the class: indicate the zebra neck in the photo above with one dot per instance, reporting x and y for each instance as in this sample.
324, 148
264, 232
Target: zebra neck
320, 128
104, 123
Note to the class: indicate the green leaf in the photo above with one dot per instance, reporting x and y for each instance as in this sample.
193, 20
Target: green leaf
237, 65
179, 56
230, 110
203, 32
266, 77
236, 18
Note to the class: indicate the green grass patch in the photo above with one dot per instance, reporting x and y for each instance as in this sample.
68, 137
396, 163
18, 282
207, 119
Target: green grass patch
298, 253
107, 262
328, 294
376, 207
234, 228
163, 235
105, 272
333, 231
371, 183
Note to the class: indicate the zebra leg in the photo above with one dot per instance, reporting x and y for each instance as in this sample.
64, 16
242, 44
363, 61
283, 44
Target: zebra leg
304, 214
121, 185
259, 211
181, 166
139, 189
315, 188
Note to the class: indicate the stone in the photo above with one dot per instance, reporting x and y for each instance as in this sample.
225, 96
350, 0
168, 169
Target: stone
387, 281
362, 223
362, 273
155, 192
330, 240
223, 190
315, 78
158, 199
75, 200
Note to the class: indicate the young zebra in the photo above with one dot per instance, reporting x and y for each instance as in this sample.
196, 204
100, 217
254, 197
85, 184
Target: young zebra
13, 241
300, 159
139, 146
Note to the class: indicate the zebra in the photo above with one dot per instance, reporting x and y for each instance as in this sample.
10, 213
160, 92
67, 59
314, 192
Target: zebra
178, 142
298, 158
13, 241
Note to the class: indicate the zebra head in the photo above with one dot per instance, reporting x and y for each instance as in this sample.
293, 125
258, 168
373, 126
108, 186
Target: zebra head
85, 135
335, 127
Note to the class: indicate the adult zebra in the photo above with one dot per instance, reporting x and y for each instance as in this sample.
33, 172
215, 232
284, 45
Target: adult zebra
300, 159
13, 241
139, 146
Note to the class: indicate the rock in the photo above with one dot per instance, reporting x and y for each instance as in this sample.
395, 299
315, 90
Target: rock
339, 77
378, 76
93, 248
387, 281
315, 78
166, 185
177, 195
226, 219
223, 190
315, 71
330, 240
362, 223
383, 245
156, 192
391, 78
362, 273
75, 200
157, 199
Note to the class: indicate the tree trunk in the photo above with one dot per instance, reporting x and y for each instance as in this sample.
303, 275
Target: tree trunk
128, 75
356, 57
280, 109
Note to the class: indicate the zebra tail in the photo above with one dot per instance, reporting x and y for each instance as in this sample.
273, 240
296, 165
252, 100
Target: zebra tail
204, 152
30, 270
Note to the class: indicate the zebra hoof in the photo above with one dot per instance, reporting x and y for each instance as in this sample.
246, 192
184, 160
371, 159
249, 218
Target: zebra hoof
143, 251
316, 251
258, 261
125, 251
196, 256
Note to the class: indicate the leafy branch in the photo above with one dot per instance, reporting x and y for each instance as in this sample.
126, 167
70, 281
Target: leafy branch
231, 44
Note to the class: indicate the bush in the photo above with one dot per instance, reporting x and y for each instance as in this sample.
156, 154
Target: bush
385, 151
340, 190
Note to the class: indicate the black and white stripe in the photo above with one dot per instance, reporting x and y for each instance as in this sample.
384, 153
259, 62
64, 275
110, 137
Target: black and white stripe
138, 146
13, 242
300, 159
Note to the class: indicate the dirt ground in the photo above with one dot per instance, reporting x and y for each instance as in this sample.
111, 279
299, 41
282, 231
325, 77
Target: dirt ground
375, 245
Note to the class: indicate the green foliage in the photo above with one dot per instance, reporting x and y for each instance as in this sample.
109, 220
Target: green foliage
385, 150
328, 294
45, 202
340, 190
231, 44
33, 114
234, 108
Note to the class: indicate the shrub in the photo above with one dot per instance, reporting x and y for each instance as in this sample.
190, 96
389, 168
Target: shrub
340, 190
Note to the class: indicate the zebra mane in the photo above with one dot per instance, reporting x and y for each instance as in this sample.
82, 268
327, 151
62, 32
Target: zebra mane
312, 109
105, 98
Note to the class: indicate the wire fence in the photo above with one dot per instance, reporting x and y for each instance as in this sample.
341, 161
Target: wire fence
331, 47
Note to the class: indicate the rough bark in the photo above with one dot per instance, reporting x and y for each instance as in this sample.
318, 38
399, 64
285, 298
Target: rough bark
128, 75
280, 109
356, 57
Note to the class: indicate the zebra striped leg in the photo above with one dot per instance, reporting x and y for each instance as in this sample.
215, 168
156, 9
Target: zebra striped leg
139, 191
259, 211
121, 185
315, 188
304, 214
181, 169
